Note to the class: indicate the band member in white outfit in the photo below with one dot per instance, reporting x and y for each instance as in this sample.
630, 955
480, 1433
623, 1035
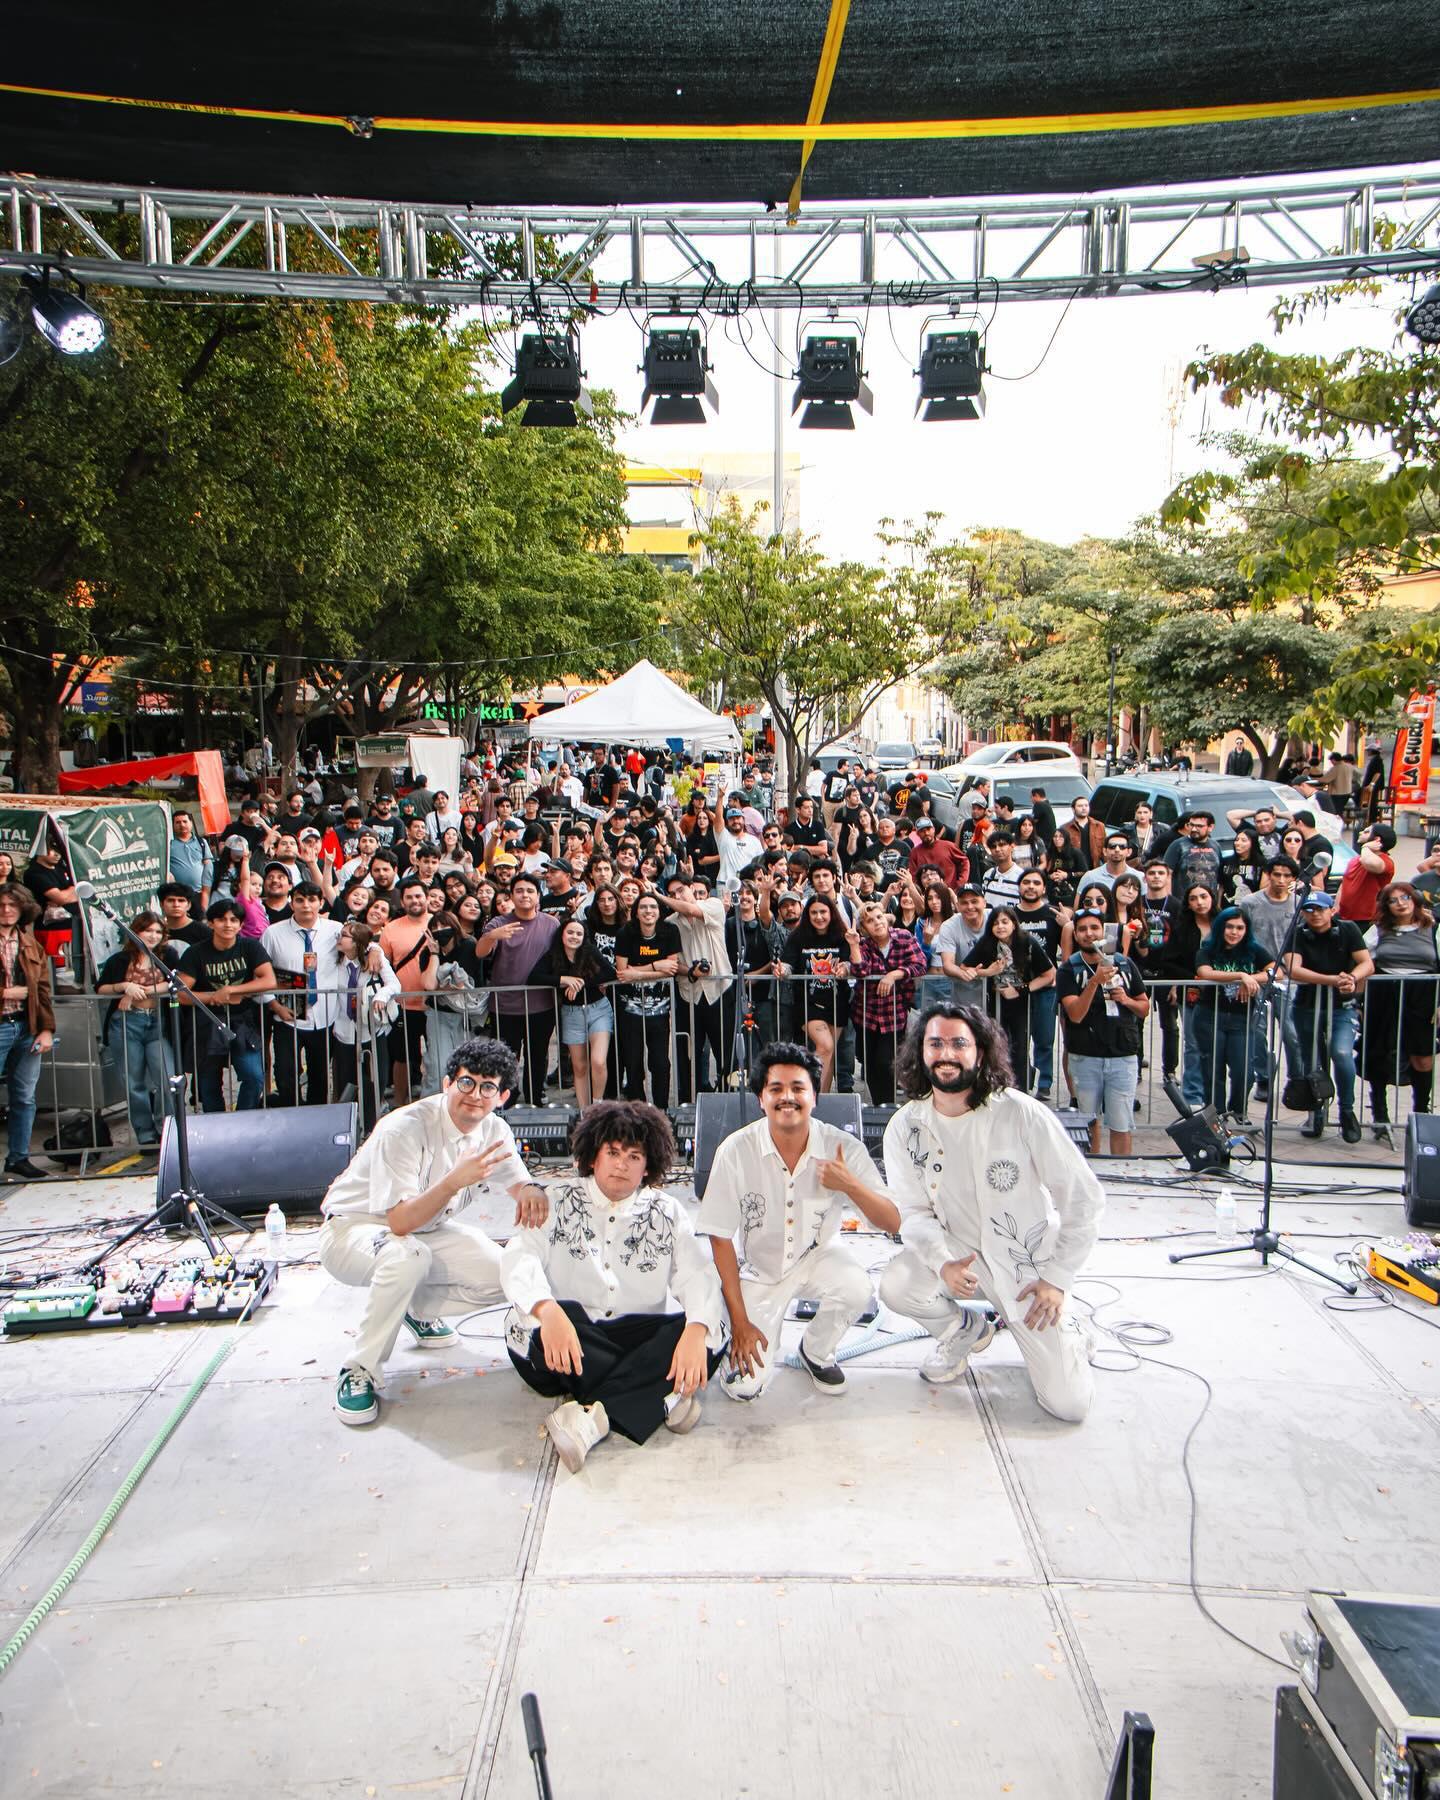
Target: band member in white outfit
390, 1224
616, 1303
781, 1186
995, 1203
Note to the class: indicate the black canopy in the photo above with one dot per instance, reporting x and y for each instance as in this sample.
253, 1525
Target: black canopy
710, 65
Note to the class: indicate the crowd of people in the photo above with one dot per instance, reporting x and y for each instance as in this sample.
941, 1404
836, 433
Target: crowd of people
626, 927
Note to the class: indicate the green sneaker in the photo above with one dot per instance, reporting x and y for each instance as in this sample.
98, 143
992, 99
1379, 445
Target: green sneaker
355, 1398
431, 1334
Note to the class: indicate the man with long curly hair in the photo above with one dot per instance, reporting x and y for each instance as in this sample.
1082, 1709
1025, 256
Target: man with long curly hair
995, 1204
616, 1306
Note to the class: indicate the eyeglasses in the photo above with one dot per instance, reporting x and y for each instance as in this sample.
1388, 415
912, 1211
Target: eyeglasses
467, 1084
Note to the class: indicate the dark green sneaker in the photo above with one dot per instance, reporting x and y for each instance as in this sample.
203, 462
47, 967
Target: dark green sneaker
355, 1398
431, 1334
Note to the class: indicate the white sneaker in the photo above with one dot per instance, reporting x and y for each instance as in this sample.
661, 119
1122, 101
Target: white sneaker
682, 1412
970, 1333
575, 1430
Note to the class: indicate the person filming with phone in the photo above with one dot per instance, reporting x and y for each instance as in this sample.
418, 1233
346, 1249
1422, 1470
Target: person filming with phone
1104, 1005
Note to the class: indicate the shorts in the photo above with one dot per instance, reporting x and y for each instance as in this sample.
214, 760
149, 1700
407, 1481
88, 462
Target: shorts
1106, 1085
578, 1024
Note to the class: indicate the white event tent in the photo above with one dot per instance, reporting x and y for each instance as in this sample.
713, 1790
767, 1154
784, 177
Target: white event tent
644, 707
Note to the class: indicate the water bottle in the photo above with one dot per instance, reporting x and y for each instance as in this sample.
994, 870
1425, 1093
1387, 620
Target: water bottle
275, 1233
1224, 1216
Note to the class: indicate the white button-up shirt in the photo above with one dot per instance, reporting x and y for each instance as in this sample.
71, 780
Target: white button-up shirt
1003, 1180
614, 1257
778, 1215
413, 1148
284, 944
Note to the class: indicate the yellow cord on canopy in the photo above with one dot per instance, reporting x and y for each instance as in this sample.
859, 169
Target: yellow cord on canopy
824, 75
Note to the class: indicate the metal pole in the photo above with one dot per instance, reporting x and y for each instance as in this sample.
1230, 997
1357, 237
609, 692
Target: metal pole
1110, 724
787, 779
259, 666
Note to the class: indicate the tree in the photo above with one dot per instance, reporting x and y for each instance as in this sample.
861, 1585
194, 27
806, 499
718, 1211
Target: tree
819, 642
1203, 676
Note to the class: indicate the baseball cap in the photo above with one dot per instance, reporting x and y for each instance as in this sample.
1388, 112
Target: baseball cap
504, 861
984, 805
734, 812
970, 888
1315, 901
309, 832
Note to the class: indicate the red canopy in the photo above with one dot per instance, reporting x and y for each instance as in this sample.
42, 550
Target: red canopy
205, 765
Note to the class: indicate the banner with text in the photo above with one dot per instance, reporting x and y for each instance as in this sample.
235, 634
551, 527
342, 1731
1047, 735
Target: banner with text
125, 851
1410, 767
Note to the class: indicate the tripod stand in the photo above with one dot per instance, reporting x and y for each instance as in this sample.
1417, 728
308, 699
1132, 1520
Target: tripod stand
186, 1201
1264, 1240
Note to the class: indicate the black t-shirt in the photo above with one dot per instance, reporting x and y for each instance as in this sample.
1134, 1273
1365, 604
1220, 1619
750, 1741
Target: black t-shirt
652, 997
1194, 865
1329, 952
1156, 946
42, 882
606, 937
559, 904
274, 915
890, 859
196, 932
1042, 927
836, 783
1098, 1033
386, 830
210, 968
254, 835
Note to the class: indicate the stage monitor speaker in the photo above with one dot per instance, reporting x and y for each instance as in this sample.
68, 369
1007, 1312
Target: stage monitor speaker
1200, 1140
717, 1115
244, 1160
1422, 1169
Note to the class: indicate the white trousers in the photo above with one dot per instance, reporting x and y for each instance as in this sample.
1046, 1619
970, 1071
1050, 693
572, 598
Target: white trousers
453, 1268
1057, 1359
832, 1278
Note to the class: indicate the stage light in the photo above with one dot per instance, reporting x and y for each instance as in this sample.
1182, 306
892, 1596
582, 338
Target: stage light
64, 319
547, 380
952, 367
828, 382
1423, 319
677, 376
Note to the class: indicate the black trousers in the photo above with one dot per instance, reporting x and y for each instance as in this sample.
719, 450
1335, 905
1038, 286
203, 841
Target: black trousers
529, 1035
645, 1040
878, 1050
625, 1364
354, 1066
704, 1020
301, 1061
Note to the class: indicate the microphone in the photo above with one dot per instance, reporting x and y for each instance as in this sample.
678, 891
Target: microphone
1322, 859
85, 890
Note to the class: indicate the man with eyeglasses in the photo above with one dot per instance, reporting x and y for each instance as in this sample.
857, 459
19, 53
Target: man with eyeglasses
390, 1217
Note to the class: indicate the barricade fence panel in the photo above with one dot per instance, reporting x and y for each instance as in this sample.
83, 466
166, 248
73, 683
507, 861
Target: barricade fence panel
102, 1088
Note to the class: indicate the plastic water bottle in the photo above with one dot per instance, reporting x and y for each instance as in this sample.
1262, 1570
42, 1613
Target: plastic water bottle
275, 1234
1224, 1216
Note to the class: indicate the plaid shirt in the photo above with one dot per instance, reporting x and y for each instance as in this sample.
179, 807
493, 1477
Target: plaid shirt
886, 1012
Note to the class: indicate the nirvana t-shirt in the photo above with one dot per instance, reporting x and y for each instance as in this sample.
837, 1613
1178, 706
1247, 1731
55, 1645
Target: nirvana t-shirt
210, 968
649, 999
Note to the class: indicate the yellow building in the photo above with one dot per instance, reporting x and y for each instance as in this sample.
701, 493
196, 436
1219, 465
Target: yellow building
663, 508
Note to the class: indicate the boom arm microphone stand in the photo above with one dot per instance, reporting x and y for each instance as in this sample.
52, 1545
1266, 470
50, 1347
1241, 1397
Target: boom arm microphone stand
1263, 1239
199, 1212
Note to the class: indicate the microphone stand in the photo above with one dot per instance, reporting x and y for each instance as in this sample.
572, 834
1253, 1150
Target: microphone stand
199, 1212
1263, 1240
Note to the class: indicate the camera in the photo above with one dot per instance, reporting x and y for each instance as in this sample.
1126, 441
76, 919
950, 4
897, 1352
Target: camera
699, 968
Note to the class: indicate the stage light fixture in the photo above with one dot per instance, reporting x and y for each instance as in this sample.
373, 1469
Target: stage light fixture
547, 380
1423, 319
828, 382
677, 376
952, 368
64, 319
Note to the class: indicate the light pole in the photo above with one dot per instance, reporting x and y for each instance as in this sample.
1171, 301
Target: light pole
1110, 722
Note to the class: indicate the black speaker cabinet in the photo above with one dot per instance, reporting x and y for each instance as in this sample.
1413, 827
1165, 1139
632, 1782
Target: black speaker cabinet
1307, 1766
1422, 1169
1200, 1140
717, 1115
244, 1160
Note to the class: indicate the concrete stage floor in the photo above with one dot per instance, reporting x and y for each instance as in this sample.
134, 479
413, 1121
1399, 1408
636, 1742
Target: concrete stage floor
901, 1592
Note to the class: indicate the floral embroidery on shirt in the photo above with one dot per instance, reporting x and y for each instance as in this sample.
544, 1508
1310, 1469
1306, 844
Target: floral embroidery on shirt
1003, 1174
915, 1147
570, 1219
518, 1337
752, 1214
650, 1239
1021, 1251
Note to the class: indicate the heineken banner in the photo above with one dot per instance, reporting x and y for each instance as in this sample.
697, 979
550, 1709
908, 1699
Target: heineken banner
124, 850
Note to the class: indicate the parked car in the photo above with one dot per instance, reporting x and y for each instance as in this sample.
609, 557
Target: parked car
889, 757
931, 749
1172, 795
950, 803
994, 758
833, 754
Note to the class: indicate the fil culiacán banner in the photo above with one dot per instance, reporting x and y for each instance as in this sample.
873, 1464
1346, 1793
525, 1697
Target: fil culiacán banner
1410, 766
124, 850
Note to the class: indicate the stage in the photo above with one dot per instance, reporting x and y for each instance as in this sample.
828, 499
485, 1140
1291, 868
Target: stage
899, 1592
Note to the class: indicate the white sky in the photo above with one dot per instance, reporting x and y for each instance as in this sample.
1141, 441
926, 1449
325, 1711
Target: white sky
1082, 447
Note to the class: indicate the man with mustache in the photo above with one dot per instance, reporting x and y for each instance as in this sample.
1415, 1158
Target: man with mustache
996, 1205
780, 1186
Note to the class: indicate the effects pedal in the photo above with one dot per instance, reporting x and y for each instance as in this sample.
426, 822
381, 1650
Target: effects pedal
1410, 1264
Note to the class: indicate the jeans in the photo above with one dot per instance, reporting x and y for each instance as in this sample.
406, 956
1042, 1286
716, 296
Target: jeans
1042, 1035
1225, 1049
1192, 1074
1313, 1051
149, 1064
249, 1067
20, 1071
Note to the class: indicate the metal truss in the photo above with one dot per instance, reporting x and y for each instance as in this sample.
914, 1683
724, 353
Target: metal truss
723, 259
